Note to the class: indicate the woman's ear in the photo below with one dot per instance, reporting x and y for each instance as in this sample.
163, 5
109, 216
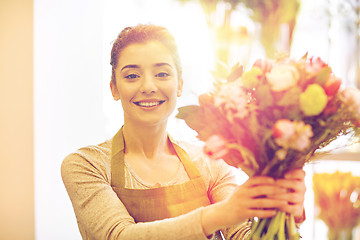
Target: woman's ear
180, 87
114, 91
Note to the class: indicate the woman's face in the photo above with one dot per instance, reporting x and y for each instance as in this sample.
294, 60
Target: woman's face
147, 83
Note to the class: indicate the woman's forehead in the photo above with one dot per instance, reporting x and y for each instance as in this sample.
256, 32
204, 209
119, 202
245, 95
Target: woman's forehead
150, 52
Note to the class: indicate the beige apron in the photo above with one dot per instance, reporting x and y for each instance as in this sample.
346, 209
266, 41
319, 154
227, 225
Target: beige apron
146, 205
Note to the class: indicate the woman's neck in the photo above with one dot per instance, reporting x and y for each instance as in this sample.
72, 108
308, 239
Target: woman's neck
149, 141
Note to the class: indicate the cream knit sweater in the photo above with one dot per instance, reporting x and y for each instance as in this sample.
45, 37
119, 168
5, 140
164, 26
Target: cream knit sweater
101, 215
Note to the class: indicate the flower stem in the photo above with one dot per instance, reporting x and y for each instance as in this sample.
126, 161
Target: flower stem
257, 229
273, 226
291, 228
281, 232
280, 227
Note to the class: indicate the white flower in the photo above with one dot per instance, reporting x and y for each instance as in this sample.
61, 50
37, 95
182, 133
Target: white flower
282, 77
351, 97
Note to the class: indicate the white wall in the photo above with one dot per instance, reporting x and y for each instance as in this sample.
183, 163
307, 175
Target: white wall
68, 102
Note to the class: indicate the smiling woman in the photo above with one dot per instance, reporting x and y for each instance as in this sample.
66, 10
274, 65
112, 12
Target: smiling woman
147, 76
142, 184
152, 83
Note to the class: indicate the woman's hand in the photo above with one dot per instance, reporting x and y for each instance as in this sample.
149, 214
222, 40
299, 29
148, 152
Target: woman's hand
294, 183
255, 198
258, 196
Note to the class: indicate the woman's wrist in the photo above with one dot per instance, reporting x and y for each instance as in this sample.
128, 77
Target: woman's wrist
211, 219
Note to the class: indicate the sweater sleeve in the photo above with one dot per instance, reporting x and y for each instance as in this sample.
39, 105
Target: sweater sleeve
224, 180
100, 213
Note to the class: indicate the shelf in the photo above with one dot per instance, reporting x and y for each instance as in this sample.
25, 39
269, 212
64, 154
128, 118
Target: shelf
342, 156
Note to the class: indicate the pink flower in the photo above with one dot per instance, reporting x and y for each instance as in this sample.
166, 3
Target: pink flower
292, 134
282, 77
314, 66
351, 97
233, 99
215, 147
283, 129
303, 134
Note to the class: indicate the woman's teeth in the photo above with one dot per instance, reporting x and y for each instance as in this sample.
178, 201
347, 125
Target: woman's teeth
148, 104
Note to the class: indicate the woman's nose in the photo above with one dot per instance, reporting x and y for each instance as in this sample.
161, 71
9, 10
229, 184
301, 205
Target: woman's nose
148, 84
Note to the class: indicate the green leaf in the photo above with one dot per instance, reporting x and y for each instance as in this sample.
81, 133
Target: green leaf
222, 70
236, 72
305, 56
251, 78
206, 121
323, 75
191, 114
187, 111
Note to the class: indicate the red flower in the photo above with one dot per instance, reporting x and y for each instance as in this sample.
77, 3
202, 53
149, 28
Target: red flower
332, 85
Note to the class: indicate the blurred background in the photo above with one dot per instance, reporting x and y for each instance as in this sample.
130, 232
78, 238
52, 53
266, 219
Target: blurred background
55, 95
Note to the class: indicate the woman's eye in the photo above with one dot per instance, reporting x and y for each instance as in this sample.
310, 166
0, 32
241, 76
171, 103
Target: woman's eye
131, 76
162, 74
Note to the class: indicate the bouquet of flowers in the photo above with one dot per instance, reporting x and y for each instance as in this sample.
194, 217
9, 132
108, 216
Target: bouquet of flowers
337, 196
272, 119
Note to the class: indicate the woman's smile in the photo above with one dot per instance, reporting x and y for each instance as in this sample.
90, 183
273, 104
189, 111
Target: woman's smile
149, 103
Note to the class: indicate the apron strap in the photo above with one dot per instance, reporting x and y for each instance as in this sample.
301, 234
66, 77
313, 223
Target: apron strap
189, 166
117, 160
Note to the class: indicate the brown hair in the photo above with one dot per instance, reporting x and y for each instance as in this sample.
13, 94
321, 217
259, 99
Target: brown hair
141, 34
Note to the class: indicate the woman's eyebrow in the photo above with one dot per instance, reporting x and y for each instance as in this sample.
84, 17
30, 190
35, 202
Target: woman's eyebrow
130, 66
162, 64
